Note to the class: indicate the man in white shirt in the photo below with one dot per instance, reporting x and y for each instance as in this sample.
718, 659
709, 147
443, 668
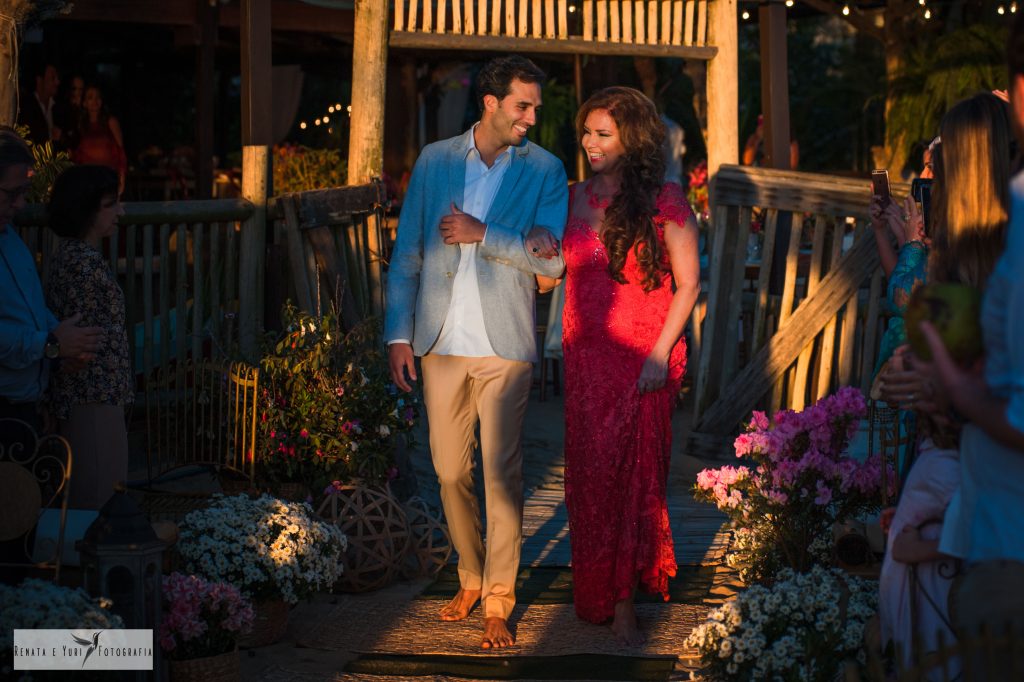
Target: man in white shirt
482, 217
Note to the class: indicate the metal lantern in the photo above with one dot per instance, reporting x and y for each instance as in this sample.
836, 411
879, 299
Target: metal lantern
122, 558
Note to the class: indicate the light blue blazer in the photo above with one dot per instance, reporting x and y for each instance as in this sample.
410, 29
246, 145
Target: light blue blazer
534, 192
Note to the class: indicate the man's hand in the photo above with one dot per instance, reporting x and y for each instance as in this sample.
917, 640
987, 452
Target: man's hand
541, 243
75, 341
401, 362
461, 228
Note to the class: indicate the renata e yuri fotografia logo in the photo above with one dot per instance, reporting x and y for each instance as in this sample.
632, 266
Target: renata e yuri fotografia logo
83, 650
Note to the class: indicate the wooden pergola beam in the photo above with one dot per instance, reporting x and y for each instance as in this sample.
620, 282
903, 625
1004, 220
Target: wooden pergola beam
573, 45
285, 15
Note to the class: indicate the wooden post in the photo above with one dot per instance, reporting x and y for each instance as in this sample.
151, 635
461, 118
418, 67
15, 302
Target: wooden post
369, 80
257, 100
205, 95
774, 85
775, 107
255, 181
722, 88
9, 40
257, 105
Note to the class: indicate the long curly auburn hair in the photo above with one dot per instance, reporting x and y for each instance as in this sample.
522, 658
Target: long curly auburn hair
629, 218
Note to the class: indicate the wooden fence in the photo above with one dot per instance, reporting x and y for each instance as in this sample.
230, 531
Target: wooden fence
820, 330
182, 266
178, 264
634, 27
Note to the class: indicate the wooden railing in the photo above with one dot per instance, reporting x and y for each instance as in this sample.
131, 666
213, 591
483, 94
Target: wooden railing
821, 329
652, 27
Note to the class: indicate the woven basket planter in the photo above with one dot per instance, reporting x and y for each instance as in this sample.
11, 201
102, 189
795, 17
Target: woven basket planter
292, 492
431, 544
269, 626
220, 668
377, 532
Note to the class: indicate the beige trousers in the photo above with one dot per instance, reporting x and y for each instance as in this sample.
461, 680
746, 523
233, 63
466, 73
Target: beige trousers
458, 392
99, 453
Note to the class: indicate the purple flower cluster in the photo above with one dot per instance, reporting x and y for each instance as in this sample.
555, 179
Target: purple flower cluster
201, 618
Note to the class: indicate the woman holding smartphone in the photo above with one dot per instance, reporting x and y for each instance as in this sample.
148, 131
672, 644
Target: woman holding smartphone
968, 229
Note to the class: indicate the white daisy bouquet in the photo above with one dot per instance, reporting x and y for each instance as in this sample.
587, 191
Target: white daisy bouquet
265, 547
39, 604
802, 628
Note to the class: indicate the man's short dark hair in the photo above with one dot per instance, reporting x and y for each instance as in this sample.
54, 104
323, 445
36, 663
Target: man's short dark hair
13, 150
77, 196
37, 69
1015, 47
497, 75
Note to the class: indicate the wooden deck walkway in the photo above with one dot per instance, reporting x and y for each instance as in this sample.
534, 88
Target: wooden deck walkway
697, 530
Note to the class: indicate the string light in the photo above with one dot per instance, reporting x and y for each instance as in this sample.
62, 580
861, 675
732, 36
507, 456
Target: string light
330, 130
326, 120
789, 3
927, 14
302, 125
349, 109
1013, 8
745, 15
316, 122
330, 109
1000, 10
572, 9
338, 106
846, 10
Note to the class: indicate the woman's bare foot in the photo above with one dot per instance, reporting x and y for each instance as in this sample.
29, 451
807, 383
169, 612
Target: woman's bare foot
461, 606
496, 634
627, 630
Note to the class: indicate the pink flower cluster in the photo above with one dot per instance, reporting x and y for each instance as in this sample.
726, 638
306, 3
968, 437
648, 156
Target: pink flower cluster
200, 617
800, 457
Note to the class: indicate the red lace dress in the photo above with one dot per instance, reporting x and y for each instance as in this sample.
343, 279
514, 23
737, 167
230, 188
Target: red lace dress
617, 441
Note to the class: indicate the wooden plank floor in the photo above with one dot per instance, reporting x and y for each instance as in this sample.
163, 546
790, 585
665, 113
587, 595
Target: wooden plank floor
697, 529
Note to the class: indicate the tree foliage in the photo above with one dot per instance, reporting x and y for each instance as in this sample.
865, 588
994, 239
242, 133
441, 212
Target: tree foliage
940, 72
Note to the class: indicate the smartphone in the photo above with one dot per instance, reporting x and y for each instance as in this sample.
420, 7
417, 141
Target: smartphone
921, 190
880, 185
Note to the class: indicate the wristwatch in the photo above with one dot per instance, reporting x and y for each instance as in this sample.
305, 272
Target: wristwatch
52, 348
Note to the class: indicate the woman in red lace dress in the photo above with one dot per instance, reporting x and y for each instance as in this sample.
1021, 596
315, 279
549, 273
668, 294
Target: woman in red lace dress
632, 277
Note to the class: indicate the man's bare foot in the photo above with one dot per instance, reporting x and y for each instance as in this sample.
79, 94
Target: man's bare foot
496, 634
461, 606
627, 630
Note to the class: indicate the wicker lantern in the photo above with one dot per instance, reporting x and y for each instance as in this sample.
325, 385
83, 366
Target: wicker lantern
122, 559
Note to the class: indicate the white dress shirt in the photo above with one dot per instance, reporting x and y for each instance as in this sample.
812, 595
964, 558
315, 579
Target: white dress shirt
463, 330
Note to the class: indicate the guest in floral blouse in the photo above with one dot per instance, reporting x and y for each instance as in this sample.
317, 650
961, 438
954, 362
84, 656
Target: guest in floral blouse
90, 404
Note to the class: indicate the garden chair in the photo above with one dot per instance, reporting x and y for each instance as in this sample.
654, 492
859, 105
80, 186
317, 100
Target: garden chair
35, 475
199, 413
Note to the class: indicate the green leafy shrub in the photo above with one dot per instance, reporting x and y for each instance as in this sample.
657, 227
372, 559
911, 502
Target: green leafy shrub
329, 410
300, 169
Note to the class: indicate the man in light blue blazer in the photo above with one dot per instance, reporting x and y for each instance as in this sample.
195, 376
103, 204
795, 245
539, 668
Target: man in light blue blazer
481, 219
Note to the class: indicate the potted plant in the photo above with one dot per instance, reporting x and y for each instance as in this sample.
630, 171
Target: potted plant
802, 483
804, 627
274, 552
329, 410
39, 604
200, 628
